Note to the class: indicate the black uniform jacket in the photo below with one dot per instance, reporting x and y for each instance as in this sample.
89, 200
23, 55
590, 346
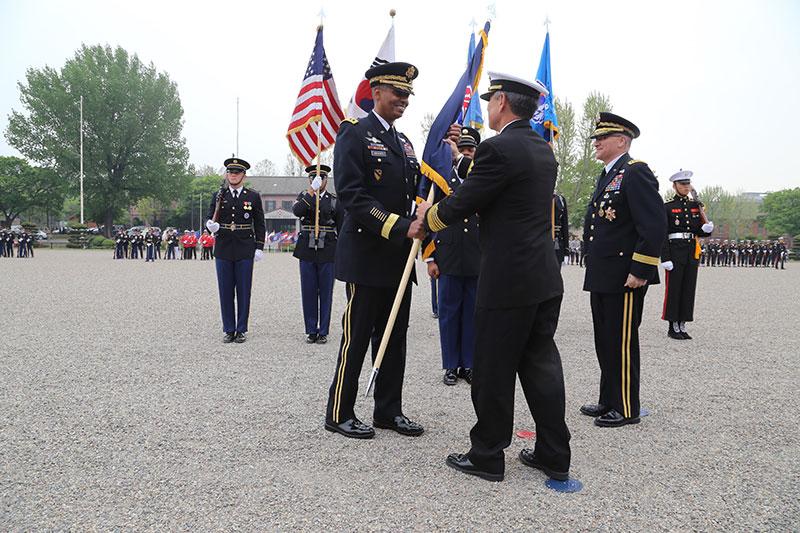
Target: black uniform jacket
623, 228
561, 218
330, 220
376, 178
456, 249
242, 226
683, 216
511, 188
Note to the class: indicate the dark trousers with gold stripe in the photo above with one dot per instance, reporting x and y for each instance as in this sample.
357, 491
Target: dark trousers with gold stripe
365, 316
616, 318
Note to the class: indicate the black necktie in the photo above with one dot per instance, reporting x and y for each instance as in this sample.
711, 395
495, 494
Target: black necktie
395, 136
235, 194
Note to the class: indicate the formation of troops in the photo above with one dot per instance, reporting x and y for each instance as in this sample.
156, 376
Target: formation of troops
148, 245
746, 253
24, 242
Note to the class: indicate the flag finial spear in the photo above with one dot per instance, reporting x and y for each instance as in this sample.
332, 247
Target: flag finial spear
474, 24
392, 12
321, 18
492, 9
547, 23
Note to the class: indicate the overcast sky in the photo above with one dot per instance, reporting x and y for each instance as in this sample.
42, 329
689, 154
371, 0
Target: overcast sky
713, 85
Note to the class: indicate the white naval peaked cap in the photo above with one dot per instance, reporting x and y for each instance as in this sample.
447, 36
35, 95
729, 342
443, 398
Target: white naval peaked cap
499, 81
681, 175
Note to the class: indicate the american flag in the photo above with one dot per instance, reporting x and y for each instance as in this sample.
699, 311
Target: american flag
317, 108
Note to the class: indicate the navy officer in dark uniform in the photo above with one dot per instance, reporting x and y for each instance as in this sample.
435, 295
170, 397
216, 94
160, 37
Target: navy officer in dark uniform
316, 253
240, 231
623, 230
453, 258
520, 289
376, 175
680, 255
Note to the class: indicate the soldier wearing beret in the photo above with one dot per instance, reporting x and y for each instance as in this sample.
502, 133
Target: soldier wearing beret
316, 252
680, 255
240, 229
453, 258
519, 290
623, 229
376, 173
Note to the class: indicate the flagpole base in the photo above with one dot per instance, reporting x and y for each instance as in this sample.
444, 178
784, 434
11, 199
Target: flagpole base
371, 381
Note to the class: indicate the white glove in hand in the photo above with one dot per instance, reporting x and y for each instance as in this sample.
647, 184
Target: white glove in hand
667, 265
708, 227
317, 183
212, 226
259, 255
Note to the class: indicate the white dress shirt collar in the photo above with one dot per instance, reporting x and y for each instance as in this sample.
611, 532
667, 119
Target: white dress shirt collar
382, 120
611, 164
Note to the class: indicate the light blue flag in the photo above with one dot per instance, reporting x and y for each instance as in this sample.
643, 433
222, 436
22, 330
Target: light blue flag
545, 121
472, 117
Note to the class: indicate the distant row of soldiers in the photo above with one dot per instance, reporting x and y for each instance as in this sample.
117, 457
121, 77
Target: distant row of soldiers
148, 246
744, 253
24, 244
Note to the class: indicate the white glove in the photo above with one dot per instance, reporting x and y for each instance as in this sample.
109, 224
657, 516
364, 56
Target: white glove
667, 265
212, 226
317, 183
708, 227
259, 255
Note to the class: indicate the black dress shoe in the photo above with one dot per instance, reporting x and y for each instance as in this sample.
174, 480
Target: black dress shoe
528, 457
686, 336
435, 315
462, 463
466, 375
613, 419
450, 377
353, 428
322, 339
672, 334
402, 425
594, 410
311, 338
229, 337
240, 337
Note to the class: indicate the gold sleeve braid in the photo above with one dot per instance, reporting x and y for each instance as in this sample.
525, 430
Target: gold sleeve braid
434, 222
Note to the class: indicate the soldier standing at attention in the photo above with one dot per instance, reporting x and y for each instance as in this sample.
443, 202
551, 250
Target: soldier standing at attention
240, 229
623, 230
317, 253
680, 255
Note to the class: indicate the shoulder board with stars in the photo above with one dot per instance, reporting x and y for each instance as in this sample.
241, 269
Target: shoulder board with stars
634, 161
351, 120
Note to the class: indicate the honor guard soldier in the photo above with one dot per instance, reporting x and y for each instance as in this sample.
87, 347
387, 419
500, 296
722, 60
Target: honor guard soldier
453, 258
520, 289
240, 229
376, 175
172, 243
680, 255
316, 250
560, 224
150, 244
623, 229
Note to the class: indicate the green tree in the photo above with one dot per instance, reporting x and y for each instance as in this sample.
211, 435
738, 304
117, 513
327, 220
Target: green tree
735, 211
782, 209
578, 169
24, 188
132, 128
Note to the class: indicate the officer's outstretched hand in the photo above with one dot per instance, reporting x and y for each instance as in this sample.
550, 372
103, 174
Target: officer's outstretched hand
259, 255
454, 132
634, 283
212, 226
422, 208
416, 230
667, 265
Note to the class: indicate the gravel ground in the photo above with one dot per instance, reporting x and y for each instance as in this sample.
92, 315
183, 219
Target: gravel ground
121, 409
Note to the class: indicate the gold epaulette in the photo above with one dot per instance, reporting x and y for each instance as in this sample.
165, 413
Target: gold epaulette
351, 120
634, 161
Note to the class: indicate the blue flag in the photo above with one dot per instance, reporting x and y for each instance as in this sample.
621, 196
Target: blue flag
472, 116
544, 121
437, 158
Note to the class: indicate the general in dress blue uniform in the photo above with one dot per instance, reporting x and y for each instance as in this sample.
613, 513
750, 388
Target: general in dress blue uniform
317, 253
240, 231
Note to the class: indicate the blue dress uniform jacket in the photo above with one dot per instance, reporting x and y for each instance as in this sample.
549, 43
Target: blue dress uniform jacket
330, 220
621, 233
511, 189
376, 177
242, 227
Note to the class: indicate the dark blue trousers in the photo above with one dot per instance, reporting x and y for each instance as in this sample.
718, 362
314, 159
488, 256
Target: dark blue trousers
434, 296
316, 287
150, 253
234, 277
457, 320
